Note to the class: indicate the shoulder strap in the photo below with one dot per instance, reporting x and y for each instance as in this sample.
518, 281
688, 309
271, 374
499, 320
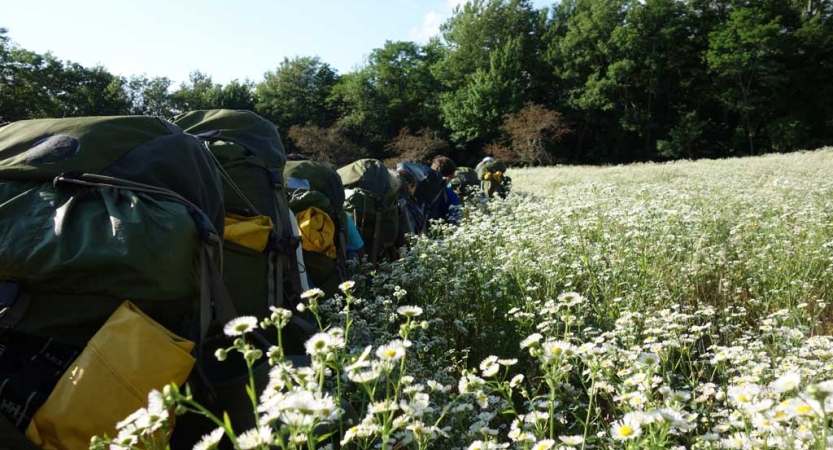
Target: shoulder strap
215, 302
14, 301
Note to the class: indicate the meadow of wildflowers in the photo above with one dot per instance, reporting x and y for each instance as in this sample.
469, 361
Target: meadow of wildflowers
679, 306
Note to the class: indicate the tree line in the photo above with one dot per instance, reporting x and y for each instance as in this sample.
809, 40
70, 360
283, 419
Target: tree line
582, 81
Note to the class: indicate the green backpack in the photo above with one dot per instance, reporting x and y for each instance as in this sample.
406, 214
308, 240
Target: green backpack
94, 211
468, 177
249, 150
493, 179
373, 203
327, 194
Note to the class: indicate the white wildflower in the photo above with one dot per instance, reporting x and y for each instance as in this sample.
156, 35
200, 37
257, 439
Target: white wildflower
409, 311
240, 326
210, 440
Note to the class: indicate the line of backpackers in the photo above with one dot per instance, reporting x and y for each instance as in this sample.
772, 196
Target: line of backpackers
127, 242
383, 205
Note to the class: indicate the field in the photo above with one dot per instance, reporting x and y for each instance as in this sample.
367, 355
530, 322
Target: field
682, 305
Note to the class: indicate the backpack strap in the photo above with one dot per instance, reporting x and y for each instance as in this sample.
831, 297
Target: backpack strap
287, 256
377, 232
14, 301
215, 302
227, 178
341, 257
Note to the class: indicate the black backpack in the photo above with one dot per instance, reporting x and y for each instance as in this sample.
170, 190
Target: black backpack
429, 183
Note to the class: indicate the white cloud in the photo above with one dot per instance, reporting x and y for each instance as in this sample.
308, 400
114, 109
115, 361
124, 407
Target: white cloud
430, 26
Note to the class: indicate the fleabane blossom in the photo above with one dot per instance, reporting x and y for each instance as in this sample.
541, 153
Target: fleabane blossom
572, 441
786, 383
489, 367
409, 311
556, 350
210, 440
240, 326
625, 431
319, 344
392, 351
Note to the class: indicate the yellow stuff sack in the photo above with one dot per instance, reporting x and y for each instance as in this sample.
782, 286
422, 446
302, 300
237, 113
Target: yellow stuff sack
251, 232
317, 231
126, 359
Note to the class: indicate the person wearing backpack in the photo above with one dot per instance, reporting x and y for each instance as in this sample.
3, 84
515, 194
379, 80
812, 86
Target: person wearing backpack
411, 216
447, 206
355, 243
493, 179
482, 163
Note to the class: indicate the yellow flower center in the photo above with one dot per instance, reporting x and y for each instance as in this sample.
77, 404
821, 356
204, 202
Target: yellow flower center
743, 398
390, 353
626, 430
804, 409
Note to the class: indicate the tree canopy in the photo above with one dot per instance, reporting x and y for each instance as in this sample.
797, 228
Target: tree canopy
583, 81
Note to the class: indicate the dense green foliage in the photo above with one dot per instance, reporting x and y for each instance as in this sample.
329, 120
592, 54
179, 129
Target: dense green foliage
630, 80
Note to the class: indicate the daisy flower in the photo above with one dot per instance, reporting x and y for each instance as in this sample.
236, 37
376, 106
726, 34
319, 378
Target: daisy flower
410, 311
210, 440
240, 326
625, 431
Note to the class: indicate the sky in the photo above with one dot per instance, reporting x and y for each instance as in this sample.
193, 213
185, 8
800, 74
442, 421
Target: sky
240, 39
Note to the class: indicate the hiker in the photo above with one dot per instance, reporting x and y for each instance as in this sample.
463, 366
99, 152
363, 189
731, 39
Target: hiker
355, 244
482, 163
493, 179
447, 205
411, 216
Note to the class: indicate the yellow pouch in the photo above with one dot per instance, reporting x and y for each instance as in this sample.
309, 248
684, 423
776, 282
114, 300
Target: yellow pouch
251, 232
317, 231
487, 175
126, 359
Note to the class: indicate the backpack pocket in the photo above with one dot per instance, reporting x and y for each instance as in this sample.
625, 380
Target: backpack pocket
110, 380
250, 232
246, 275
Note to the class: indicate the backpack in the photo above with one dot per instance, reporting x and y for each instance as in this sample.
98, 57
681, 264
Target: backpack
412, 218
493, 179
372, 202
94, 211
326, 193
429, 184
465, 180
250, 153
251, 159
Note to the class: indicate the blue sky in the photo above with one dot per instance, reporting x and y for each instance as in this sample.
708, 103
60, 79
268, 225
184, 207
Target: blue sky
226, 39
